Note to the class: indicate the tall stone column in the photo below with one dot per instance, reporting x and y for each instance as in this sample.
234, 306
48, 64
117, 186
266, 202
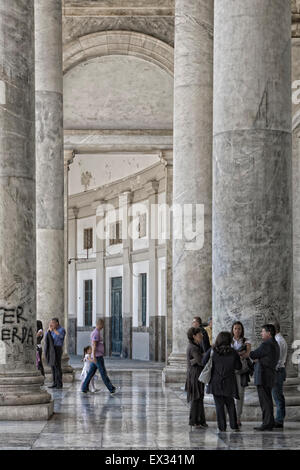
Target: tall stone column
21, 397
252, 213
167, 160
125, 201
50, 166
296, 179
192, 162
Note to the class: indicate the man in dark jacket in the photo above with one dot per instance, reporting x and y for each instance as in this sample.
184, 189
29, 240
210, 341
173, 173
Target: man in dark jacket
266, 358
197, 323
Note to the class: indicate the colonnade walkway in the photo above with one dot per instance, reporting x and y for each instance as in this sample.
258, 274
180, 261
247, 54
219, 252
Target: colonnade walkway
144, 414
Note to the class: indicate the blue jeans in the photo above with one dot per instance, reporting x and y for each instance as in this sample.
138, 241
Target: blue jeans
277, 392
101, 367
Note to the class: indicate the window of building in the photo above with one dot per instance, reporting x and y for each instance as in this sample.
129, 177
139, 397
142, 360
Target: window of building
88, 302
143, 299
142, 227
88, 238
115, 233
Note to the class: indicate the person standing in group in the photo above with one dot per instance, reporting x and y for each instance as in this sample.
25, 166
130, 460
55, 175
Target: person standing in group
39, 350
98, 360
266, 358
87, 361
240, 343
58, 334
208, 329
194, 388
223, 386
197, 323
280, 377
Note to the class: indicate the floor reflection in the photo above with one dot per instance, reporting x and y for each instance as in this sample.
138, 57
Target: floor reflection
144, 414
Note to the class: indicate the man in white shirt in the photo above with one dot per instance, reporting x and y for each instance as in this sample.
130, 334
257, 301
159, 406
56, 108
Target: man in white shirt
277, 390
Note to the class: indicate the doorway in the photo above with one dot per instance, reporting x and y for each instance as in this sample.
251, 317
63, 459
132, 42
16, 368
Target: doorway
116, 316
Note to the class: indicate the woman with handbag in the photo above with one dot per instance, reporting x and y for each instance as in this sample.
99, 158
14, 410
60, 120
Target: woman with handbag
194, 388
224, 361
241, 344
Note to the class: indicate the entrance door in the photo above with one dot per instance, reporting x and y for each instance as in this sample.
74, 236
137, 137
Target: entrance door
116, 316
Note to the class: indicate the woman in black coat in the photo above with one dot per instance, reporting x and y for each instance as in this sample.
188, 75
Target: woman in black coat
194, 388
223, 386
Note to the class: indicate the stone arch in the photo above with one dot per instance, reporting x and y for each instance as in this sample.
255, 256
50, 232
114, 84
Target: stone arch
131, 43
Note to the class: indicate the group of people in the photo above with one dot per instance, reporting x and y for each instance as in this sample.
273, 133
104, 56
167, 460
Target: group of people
53, 350
229, 363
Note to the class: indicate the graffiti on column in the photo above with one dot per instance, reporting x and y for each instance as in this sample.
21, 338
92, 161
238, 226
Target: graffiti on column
20, 332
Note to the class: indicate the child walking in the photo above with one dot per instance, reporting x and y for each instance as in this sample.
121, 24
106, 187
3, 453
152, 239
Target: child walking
87, 360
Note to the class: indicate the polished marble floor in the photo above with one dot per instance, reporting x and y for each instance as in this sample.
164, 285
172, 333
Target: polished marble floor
144, 414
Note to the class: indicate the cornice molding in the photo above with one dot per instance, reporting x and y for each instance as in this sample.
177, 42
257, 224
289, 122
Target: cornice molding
106, 8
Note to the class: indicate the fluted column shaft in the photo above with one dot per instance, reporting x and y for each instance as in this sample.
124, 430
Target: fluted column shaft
252, 212
49, 162
20, 394
192, 160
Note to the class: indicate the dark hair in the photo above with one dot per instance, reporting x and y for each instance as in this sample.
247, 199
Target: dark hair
55, 319
242, 326
198, 319
223, 343
277, 326
85, 350
193, 332
269, 328
39, 325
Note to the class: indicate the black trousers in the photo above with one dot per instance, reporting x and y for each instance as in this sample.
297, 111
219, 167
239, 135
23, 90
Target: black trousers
221, 402
56, 369
197, 414
266, 404
40, 366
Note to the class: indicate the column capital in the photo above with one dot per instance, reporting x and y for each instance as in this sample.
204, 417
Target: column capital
100, 206
69, 156
151, 187
166, 157
73, 212
125, 198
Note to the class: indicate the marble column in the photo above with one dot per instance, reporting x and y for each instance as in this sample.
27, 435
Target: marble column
296, 179
21, 396
50, 166
252, 158
192, 160
125, 201
167, 160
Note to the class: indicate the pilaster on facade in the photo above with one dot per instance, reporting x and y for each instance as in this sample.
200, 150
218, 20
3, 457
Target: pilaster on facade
167, 158
125, 200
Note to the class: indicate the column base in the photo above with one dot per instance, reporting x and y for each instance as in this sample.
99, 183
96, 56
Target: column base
175, 371
41, 412
22, 398
67, 369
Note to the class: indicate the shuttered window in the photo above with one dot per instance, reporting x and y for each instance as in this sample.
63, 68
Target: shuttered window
88, 302
88, 238
144, 299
